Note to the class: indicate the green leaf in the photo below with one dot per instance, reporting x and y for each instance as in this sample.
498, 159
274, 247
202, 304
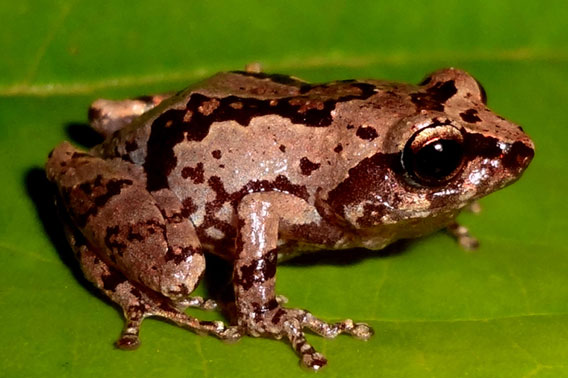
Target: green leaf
437, 310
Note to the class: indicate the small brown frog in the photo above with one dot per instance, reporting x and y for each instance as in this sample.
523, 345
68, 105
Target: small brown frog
256, 167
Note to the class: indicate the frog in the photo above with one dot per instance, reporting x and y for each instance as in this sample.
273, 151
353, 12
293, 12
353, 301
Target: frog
256, 168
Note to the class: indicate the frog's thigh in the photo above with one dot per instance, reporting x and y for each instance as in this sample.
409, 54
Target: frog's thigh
107, 116
150, 246
144, 235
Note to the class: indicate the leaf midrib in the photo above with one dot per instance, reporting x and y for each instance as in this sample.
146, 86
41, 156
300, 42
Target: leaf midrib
286, 64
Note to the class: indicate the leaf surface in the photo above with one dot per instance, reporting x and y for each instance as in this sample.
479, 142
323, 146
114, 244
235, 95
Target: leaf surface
437, 311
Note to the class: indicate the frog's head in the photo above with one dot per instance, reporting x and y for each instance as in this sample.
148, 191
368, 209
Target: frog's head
448, 152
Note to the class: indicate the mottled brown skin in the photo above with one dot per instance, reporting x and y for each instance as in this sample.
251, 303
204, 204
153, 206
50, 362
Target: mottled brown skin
254, 167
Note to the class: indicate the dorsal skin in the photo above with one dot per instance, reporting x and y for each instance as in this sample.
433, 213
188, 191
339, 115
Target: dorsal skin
336, 144
256, 167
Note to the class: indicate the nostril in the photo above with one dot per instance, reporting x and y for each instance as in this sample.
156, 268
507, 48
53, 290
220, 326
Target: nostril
524, 160
518, 157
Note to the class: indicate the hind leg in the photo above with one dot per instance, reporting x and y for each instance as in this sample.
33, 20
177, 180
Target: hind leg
108, 116
139, 247
136, 301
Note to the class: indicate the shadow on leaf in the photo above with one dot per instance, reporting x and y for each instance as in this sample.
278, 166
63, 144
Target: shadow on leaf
347, 257
83, 134
42, 193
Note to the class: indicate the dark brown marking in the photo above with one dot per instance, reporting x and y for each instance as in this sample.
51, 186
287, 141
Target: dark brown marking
367, 133
280, 184
113, 188
271, 305
179, 254
90, 196
360, 185
188, 207
86, 187
307, 167
479, 145
131, 146
181, 291
470, 116
153, 225
216, 154
258, 271
195, 174
216, 184
113, 240
518, 156
133, 235
260, 309
371, 212
112, 280
135, 311
310, 350
278, 316
282, 148
338, 148
434, 97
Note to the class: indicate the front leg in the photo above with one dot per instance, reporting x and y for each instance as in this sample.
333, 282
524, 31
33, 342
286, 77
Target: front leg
461, 233
261, 216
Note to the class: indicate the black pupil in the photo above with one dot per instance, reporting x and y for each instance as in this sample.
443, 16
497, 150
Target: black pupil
438, 159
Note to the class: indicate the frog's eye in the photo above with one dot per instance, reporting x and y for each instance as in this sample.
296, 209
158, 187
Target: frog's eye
434, 155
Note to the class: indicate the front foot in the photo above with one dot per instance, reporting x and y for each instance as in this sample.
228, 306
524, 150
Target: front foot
290, 323
462, 236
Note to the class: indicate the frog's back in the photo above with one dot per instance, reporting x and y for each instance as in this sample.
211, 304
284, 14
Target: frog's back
249, 131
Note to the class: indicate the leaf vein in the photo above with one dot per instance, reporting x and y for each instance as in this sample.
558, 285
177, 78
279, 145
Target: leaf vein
27, 88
